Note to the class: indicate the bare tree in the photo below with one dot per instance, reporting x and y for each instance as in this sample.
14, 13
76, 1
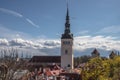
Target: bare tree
10, 59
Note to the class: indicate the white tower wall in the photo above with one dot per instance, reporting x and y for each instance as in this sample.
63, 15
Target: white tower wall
67, 54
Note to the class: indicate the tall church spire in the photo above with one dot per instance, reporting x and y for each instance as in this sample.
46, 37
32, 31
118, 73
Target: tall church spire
67, 24
67, 56
67, 34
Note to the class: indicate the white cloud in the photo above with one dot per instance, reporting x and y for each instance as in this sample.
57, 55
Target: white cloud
24, 42
11, 12
110, 29
52, 46
101, 42
7, 11
10, 34
84, 32
32, 23
4, 42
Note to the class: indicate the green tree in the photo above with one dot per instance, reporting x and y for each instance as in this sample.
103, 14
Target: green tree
82, 59
102, 69
115, 68
96, 69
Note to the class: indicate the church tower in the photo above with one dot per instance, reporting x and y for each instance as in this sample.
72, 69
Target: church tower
67, 45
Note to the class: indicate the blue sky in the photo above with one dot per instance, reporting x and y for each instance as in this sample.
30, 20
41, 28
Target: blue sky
35, 26
46, 18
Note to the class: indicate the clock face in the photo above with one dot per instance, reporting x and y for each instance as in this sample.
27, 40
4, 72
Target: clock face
66, 42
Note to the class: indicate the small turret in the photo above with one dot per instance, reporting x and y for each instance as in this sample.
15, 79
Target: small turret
112, 55
95, 53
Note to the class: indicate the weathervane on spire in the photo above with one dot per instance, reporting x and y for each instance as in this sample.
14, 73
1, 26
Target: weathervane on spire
67, 3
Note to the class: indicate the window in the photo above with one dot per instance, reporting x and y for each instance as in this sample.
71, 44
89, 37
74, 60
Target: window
66, 42
66, 51
68, 65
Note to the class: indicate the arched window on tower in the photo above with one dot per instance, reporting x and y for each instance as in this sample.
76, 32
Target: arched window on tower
66, 51
68, 65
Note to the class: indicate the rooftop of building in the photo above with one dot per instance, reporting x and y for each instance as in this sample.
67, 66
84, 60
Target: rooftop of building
46, 59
